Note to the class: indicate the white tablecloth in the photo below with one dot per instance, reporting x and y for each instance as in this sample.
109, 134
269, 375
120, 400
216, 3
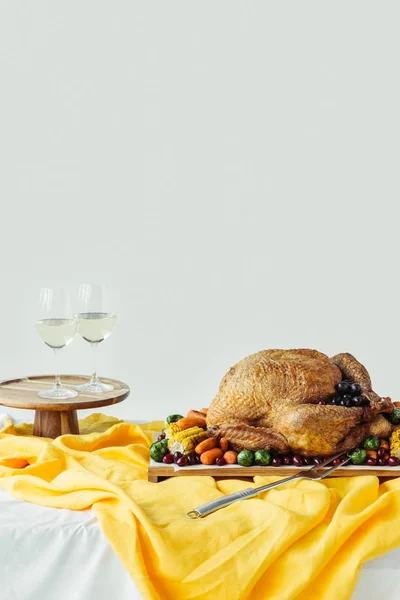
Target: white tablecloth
54, 554
49, 554
57, 554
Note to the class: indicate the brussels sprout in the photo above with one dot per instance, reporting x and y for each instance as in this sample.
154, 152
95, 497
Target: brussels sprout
358, 456
371, 443
158, 450
394, 417
173, 419
262, 457
245, 458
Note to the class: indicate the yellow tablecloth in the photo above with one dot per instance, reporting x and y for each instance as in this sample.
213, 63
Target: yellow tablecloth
306, 540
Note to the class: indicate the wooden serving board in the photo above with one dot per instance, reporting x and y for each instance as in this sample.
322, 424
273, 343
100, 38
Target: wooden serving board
160, 471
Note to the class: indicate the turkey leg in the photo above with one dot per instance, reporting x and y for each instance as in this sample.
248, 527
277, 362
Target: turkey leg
253, 438
353, 370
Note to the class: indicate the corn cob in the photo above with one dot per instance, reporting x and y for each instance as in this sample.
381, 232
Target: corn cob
187, 440
171, 429
395, 443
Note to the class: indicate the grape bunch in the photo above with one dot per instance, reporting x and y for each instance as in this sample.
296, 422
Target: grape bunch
349, 394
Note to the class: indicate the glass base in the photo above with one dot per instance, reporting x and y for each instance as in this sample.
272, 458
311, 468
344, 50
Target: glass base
95, 387
57, 393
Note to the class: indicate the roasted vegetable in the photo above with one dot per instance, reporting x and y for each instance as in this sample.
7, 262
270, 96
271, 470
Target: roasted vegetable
186, 423
173, 419
158, 450
262, 457
205, 445
224, 444
384, 444
196, 414
371, 443
171, 429
372, 454
187, 440
395, 443
245, 458
230, 457
358, 456
394, 417
210, 456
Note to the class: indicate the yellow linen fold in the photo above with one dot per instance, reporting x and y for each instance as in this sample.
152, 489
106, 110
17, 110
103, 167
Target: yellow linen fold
304, 541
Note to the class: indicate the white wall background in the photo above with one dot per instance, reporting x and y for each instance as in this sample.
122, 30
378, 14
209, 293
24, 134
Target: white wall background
230, 168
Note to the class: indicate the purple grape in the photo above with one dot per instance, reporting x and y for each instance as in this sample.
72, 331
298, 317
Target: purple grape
168, 459
191, 459
177, 456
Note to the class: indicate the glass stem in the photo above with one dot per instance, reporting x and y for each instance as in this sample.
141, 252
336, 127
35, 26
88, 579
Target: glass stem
57, 376
94, 375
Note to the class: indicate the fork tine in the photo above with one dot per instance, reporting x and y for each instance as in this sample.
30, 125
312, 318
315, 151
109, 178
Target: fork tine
326, 462
329, 471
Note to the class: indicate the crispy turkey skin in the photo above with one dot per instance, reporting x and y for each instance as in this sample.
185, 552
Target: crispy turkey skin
270, 400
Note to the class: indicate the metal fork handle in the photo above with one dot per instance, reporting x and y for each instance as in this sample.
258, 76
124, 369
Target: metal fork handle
210, 507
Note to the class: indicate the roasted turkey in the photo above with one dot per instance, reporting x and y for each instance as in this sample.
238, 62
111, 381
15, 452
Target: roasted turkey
271, 400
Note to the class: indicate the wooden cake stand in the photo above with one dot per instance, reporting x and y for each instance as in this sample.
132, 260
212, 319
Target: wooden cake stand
57, 417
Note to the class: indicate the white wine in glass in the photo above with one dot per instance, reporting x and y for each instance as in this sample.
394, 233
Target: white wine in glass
95, 323
57, 328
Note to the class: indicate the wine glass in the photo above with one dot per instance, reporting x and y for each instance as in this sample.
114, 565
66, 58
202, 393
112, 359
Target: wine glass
95, 323
57, 328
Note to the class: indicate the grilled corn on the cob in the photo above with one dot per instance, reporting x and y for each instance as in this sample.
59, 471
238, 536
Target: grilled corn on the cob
187, 440
171, 430
395, 443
